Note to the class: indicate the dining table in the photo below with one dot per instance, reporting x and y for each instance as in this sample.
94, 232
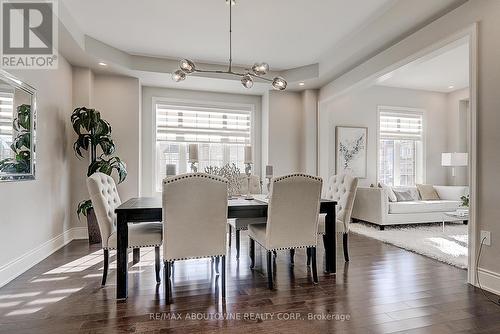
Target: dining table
149, 209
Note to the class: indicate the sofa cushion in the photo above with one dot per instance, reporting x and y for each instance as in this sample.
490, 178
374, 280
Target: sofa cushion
423, 206
413, 191
403, 196
427, 192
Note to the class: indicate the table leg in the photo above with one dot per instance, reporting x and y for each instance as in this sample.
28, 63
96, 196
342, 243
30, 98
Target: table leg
330, 244
121, 256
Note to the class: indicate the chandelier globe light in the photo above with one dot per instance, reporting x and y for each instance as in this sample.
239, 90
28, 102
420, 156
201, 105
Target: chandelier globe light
257, 71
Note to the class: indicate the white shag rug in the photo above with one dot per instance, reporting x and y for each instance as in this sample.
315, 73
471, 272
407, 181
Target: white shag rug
429, 240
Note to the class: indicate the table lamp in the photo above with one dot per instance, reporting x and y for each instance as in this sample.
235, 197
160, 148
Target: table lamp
248, 169
454, 160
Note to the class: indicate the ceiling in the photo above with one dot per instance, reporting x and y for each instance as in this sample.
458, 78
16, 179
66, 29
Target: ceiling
284, 33
445, 70
308, 42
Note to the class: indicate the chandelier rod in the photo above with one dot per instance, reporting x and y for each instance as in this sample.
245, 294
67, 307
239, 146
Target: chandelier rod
234, 73
230, 36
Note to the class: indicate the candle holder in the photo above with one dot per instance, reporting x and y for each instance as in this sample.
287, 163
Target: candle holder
248, 172
194, 168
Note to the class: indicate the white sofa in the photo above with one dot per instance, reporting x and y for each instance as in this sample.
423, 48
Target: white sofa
372, 205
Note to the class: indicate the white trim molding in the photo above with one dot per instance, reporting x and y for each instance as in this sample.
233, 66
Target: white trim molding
490, 281
16, 267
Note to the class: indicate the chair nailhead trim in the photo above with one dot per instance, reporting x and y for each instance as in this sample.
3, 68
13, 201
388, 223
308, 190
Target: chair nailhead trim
154, 245
284, 248
190, 175
192, 258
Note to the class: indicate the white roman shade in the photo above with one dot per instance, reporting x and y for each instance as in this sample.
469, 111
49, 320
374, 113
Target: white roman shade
191, 123
401, 125
6, 114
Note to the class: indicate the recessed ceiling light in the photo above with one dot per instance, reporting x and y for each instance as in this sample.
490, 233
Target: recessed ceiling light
301, 84
102, 63
451, 86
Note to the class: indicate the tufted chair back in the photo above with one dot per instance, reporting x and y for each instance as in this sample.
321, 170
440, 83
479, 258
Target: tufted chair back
255, 187
292, 218
195, 216
342, 188
105, 199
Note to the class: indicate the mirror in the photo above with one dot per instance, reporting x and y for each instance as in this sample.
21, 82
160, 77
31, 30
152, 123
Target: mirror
17, 129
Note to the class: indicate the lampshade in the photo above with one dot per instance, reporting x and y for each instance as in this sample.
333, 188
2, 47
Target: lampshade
454, 159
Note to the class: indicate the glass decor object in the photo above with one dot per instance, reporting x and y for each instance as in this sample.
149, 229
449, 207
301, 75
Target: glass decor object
231, 173
279, 83
187, 66
247, 81
178, 75
258, 70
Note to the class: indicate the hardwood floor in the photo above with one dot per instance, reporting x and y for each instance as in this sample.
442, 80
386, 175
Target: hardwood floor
383, 289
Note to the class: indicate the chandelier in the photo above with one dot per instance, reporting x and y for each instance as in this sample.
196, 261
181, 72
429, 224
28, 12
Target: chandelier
257, 71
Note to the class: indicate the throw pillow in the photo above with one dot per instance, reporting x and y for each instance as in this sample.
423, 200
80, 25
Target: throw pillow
403, 195
427, 192
388, 191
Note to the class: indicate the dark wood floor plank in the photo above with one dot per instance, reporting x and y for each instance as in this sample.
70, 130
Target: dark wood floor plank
383, 289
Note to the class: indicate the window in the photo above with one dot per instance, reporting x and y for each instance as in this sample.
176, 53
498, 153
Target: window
400, 146
221, 132
6, 130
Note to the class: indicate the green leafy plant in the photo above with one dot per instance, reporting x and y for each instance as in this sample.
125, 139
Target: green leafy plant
465, 201
21, 145
94, 137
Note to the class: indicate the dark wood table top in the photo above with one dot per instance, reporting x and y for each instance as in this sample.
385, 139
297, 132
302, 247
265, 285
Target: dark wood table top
141, 203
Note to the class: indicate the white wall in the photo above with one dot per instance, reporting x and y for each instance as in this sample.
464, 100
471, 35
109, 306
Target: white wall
308, 156
285, 132
35, 213
118, 100
148, 93
486, 14
458, 120
359, 108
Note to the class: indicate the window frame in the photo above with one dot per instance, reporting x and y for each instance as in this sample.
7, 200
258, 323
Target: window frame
420, 170
202, 103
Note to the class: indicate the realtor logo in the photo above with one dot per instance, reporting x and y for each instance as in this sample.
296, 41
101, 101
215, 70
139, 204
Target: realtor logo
29, 34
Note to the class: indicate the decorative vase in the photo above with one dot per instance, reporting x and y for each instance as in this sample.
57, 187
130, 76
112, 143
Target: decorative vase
93, 228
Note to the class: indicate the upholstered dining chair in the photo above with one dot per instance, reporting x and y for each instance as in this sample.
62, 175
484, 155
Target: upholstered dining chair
195, 211
242, 224
292, 219
105, 199
342, 189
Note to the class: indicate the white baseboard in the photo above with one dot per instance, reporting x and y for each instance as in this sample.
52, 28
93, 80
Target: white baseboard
24, 262
490, 280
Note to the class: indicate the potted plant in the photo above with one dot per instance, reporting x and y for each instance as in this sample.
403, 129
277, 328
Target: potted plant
94, 136
21, 162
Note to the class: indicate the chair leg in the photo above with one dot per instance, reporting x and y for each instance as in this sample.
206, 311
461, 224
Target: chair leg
136, 255
314, 268
230, 235
157, 264
346, 248
292, 255
223, 269
216, 263
252, 253
106, 266
237, 237
308, 253
270, 270
166, 279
